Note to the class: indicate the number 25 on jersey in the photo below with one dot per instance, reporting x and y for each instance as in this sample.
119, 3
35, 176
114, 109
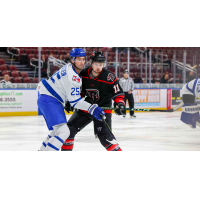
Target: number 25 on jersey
75, 91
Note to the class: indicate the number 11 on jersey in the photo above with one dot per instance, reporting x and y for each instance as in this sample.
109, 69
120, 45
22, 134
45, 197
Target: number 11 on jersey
116, 88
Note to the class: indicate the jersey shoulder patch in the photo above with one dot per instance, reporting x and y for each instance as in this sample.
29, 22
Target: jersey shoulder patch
110, 76
72, 75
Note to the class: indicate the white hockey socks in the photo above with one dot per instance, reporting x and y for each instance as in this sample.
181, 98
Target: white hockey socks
55, 143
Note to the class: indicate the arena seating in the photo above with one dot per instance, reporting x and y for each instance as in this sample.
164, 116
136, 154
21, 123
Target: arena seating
11, 70
32, 52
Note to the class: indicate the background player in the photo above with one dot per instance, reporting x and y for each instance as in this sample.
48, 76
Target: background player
190, 114
100, 86
63, 86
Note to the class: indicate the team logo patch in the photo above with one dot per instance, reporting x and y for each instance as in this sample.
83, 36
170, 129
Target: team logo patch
111, 77
94, 94
75, 78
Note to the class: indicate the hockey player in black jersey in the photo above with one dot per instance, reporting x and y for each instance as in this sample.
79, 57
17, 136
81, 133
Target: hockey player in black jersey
99, 86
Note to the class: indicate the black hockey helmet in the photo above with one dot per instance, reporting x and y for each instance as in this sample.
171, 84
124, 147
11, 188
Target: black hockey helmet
98, 56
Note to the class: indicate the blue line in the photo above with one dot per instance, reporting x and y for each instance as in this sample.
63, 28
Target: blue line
51, 90
44, 144
75, 100
58, 138
53, 147
49, 136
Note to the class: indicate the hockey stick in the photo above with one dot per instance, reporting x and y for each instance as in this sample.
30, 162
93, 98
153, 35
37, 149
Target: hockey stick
148, 110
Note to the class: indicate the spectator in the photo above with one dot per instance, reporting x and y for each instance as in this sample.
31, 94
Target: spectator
67, 60
138, 79
190, 77
166, 79
61, 57
144, 81
6, 81
166, 72
44, 69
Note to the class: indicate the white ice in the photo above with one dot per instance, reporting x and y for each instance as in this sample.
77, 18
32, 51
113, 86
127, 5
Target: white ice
148, 132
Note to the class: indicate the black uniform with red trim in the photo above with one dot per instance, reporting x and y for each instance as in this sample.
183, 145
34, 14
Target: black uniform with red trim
100, 90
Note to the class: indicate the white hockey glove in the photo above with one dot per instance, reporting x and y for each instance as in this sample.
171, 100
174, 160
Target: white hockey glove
190, 115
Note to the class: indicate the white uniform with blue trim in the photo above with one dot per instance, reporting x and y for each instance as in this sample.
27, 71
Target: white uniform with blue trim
190, 114
192, 88
65, 86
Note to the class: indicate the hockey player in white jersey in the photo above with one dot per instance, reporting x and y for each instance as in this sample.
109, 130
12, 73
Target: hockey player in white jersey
63, 86
190, 114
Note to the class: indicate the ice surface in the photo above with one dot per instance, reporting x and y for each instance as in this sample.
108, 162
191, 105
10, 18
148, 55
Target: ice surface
148, 132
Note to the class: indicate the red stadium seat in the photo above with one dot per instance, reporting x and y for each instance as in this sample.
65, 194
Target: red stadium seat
31, 56
95, 49
2, 62
123, 59
67, 48
112, 69
28, 51
24, 74
59, 52
35, 80
45, 48
44, 52
52, 51
12, 68
51, 48
14, 74
27, 80
17, 80
3, 67
5, 72
112, 54
35, 51
109, 50
59, 48
88, 49
134, 70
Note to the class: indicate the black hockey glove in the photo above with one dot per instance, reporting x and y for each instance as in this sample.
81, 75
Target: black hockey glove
120, 108
68, 107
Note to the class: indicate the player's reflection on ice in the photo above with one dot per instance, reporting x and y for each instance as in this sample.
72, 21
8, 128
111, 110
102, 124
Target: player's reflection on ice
147, 132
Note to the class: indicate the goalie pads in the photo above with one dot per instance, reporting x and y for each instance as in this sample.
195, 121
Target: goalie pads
190, 115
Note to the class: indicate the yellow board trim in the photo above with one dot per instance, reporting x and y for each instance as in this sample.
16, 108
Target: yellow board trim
33, 113
9, 114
